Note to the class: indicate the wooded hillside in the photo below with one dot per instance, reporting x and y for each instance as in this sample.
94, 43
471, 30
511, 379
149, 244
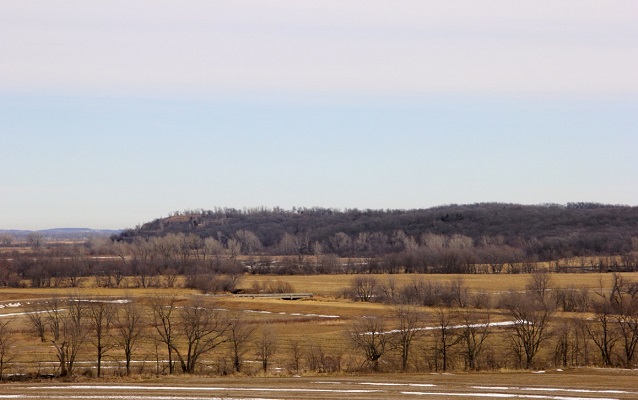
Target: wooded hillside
539, 232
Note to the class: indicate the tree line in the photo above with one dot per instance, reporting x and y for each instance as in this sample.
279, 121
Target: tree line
541, 318
217, 263
174, 332
543, 232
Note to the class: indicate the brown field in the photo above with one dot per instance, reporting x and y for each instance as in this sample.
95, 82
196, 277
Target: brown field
321, 323
558, 385
333, 285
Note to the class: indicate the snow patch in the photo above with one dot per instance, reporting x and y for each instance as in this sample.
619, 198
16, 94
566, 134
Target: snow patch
432, 328
28, 313
10, 305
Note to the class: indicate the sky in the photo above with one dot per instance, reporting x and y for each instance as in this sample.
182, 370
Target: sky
114, 113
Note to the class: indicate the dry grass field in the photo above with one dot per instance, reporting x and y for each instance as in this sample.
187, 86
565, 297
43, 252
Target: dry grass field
318, 324
333, 285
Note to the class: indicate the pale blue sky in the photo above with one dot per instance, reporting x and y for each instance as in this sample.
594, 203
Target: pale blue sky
113, 113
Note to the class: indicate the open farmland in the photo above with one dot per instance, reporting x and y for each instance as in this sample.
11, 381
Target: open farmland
557, 385
334, 285
310, 336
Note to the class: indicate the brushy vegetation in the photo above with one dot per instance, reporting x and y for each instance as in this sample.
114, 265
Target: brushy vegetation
431, 323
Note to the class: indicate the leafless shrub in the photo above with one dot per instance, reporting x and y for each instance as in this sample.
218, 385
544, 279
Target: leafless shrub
363, 288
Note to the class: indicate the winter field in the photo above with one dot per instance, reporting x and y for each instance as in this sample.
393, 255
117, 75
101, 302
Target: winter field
586, 384
325, 364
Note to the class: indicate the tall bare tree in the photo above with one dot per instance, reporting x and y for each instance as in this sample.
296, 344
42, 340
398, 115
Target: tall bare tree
411, 325
36, 315
266, 346
370, 336
7, 340
295, 351
628, 326
473, 334
363, 287
601, 331
446, 336
202, 329
101, 315
164, 321
624, 301
71, 334
531, 328
239, 334
129, 326
539, 286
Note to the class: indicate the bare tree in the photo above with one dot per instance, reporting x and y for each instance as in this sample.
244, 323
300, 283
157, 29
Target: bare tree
213, 249
101, 315
341, 243
249, 242
446, 336
163, 322
411, 324
239, 334
628, 327
37, 318
54, 316
571, 342
70, 336
234, 248
601, 331
35, 240
531, 328
202, 329
540, 285
129, 325
295, 351
298, 244
7, 340
624, 301
458, 292
266, 346
6, 239
363, 287
473, 334
369, 335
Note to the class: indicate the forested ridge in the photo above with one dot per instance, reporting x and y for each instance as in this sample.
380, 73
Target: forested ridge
541, 232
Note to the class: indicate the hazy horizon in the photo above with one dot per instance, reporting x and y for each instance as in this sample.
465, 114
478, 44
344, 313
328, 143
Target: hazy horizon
114, 113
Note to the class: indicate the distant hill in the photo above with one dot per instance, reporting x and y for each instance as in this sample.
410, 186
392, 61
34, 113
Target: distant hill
553, 229
63, 233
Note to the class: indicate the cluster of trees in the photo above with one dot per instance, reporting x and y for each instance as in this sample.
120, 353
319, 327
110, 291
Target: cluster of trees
216, 263
175, 333
537, 322
142, 263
